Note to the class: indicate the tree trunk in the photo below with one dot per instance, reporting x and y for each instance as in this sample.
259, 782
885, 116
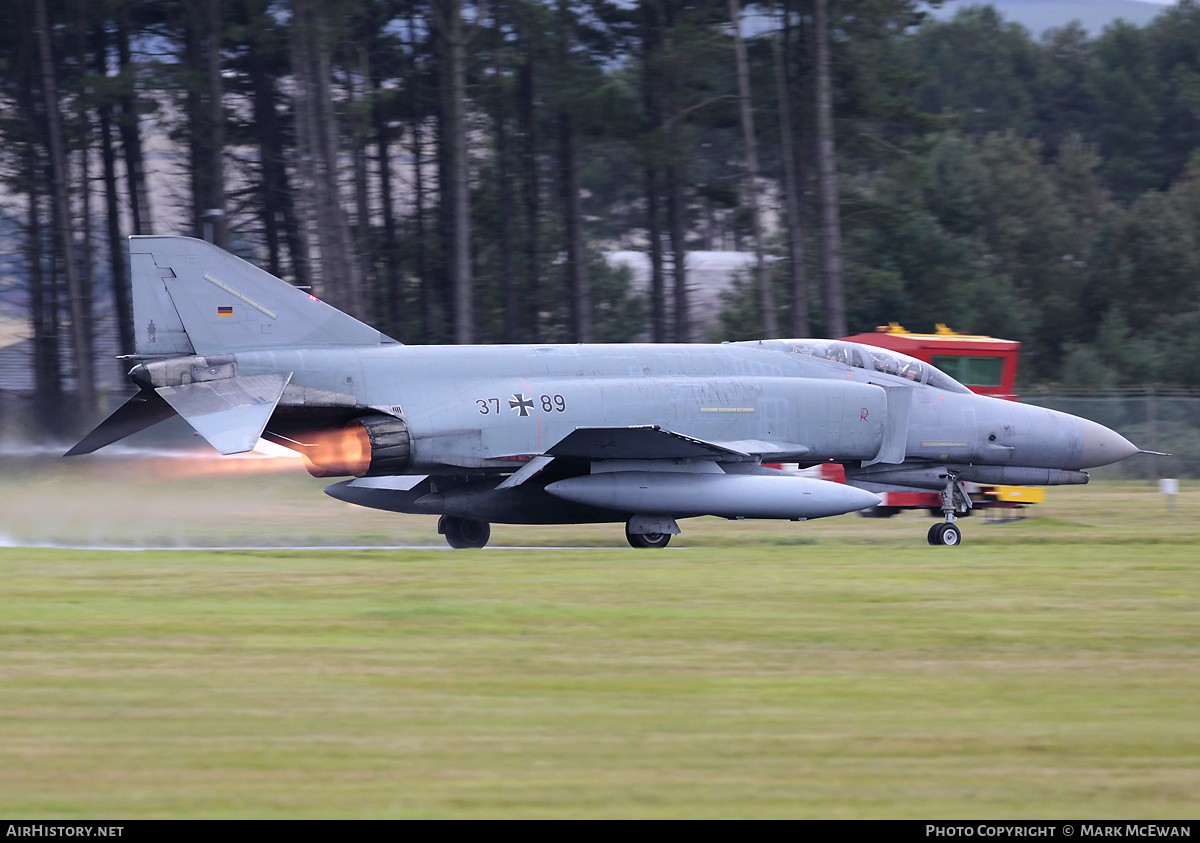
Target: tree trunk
112, 206
506, 194
447, 17
340, 258
42, 305
85, 258
293, 228
131, 136
268, 134
316, 131
532, 196
80, 298
676, 224
831, 232
216, 117
429, 331
793, 220
659, 325
270, 152
652, 39
281, 223
304, 122
362, 212
205, 107
577, 285
676, 201
572, 208
393, 287
766, 293
43, 314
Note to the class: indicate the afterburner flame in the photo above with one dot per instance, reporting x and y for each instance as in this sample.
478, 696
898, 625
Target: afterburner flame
191, 464
336, 453
236, 465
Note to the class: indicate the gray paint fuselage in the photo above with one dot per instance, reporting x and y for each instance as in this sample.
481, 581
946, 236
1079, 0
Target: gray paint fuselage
472, 406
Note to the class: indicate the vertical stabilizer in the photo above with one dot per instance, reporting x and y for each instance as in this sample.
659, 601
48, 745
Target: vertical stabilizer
191, 297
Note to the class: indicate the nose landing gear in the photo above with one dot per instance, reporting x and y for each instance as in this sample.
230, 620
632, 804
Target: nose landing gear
955, 500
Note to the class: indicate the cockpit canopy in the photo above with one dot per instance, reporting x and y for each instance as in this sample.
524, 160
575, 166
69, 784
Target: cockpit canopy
875, 359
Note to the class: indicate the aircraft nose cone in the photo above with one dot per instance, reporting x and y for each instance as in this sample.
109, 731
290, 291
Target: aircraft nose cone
1102, 446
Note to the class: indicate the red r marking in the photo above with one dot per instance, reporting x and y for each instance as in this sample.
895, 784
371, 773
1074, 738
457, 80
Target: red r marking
863, 413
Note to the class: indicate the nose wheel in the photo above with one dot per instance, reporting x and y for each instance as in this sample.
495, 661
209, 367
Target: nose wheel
945, 534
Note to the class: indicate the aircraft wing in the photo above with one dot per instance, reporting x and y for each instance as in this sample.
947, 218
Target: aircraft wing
651, 442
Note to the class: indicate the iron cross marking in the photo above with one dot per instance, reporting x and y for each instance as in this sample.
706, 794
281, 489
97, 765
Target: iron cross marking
521, 404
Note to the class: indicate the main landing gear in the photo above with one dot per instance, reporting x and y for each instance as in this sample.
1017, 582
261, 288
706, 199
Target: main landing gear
650, 530
955, 500
464, 532
467, 532
640, 540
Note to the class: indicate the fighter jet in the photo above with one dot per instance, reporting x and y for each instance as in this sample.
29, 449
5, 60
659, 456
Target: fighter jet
640, 434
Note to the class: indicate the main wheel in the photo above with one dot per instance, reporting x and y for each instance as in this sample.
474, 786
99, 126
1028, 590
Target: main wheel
640, 540
464, 532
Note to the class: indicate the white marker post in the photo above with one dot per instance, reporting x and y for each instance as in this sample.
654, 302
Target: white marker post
1169, 486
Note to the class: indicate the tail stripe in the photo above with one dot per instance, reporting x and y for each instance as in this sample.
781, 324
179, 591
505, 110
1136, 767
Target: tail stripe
270, 313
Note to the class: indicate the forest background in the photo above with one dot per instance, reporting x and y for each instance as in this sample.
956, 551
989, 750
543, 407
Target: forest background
453, 171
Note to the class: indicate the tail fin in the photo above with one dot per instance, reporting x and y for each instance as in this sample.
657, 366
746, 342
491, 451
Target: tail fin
191, 297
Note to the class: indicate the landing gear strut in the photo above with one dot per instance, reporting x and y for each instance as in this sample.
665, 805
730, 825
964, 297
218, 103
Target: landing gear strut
955, 501
464, 532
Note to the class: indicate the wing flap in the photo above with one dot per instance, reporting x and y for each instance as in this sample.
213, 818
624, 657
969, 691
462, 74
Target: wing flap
770, 450
640, 442
651, 442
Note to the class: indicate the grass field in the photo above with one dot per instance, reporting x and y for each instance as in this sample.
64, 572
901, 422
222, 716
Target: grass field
1046, 668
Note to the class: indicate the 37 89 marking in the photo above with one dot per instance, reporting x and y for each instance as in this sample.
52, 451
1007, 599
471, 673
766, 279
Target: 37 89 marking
549, 404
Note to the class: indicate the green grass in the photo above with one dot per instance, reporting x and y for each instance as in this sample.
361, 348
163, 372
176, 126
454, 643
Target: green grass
1046, 668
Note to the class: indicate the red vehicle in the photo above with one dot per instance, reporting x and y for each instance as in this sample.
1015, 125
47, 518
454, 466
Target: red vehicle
986, 365
982, 364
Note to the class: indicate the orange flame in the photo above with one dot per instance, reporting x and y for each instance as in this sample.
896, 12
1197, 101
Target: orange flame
336, 453
195, 464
